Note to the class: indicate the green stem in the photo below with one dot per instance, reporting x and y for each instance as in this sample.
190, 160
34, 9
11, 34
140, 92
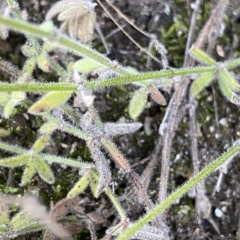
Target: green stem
179, 193
147, 75
113, 198
18, 16
37, 87
67, 161
66, 127
116, 203
61, 40
47, 157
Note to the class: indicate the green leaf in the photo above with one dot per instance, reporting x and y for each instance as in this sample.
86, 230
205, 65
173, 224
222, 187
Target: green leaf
48, 128
40, 144
43, 63
28, 50
33, 226
94, 184
201, 56
49, 101
86, 65
229, 86
16, 98
228, 92
80, 186
201, 82
5, 97
15, 161
20, 221
49, 46
138, 102
8, 108
43, 170
28, 173
227, 77
29, 66
104, 172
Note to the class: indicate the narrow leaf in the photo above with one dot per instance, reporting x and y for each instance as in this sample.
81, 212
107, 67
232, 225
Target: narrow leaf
16, 98
201, 82
86, 65
28, 173
29, 66
48, 128
8, 108
225, 88
116, 154
49, 101
138, 102
80, 186
228, 92
43, 63
102, 167
227, 77
112, 129
157, 96
33, 226
201, 56
5, 97
44, 170
15, 161
20, 221
40, 144
94, 185
28, 50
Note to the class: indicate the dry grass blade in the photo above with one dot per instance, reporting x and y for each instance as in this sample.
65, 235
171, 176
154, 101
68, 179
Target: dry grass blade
157, 96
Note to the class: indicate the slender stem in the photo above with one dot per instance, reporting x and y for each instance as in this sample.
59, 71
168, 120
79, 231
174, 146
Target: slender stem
67, 161
66, 127
47, 157
37, 87
112, 197
116, 203
148, 75
61, 40
17, 15
179, 193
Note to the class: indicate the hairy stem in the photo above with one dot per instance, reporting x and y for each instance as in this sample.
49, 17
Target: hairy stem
231, 152
49, 34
